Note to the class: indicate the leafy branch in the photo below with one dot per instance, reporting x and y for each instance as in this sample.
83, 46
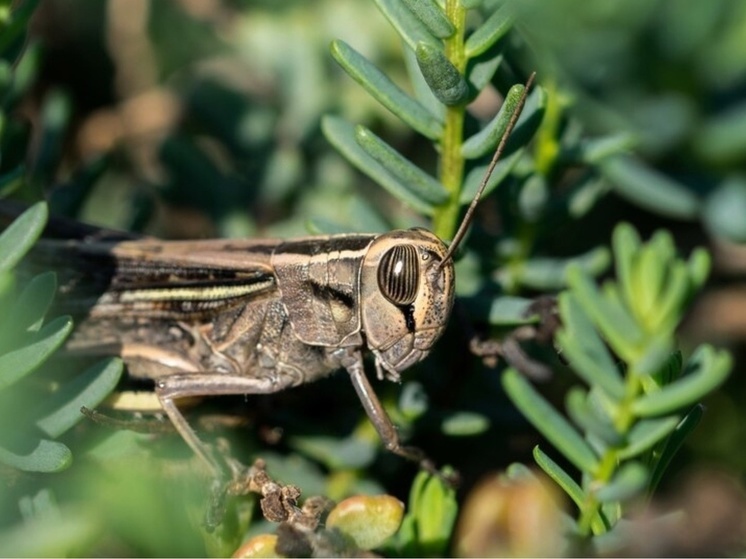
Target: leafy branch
450, 70
641, 398
34, 414
35, 409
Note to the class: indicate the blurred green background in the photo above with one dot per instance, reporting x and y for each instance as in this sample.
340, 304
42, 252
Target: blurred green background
202, 118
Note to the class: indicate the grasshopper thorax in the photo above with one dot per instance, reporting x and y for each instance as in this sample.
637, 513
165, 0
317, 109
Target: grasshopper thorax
407, 295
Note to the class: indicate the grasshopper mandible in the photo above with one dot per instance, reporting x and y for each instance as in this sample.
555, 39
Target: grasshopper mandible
223, 317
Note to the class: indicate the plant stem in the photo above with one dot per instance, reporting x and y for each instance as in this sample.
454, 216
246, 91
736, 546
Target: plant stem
451, 160
609, 464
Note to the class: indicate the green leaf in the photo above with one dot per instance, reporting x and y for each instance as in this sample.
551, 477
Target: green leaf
626, 244
527, 125
548, 421
407, 25
584, 194
699, 267
29, 309
652, 266
422, 91
599, 523
629, 481
674, 443
550, 273
669, 307
45, 456
510, 311
585, 349
413, 401
487, 34
706, 370
724, 210
671, 369
87, 389
434, 508
481, 69
594, 150
465, 424
342, 136
650, 189
432, 17
560, 477
533, 199
411, 177
475, 176
386, 92
657, 349
336, 453
645, 434
608, 314
445, 81
16, 364
486, 140
530, 120
590, 418
20, 235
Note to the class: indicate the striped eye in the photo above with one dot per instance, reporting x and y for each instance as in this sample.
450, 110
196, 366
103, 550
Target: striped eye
399, 274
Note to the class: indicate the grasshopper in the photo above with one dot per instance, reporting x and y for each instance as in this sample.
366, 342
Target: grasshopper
227, 317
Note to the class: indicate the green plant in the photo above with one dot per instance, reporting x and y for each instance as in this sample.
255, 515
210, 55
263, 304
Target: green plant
36, 413
237, 150
39, 404
641, 398
427, 527
447, 70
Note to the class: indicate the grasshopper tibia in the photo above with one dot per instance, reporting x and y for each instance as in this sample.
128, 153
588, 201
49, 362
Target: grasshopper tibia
386, 428
177, 386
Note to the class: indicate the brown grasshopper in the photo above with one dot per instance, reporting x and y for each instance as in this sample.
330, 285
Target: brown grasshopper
222, 317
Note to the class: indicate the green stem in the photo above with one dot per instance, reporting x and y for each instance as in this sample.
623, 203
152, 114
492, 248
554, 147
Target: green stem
452, 162
609, 464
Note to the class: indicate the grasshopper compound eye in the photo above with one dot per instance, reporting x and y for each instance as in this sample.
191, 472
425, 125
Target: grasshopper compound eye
399, 275
407, 293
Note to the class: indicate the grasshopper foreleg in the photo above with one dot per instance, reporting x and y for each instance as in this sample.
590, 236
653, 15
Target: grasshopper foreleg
383, 424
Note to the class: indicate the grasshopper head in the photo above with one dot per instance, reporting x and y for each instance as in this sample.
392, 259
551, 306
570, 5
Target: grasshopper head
407, 283
407, 296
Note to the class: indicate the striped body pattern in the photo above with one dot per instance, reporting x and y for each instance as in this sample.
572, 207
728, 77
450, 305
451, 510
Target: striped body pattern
221, 317
255, 308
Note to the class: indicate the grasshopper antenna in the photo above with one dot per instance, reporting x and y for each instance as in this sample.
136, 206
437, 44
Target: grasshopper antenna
461, 232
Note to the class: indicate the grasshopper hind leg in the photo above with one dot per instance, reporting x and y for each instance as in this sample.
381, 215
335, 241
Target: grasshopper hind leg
230, 477
184, 385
